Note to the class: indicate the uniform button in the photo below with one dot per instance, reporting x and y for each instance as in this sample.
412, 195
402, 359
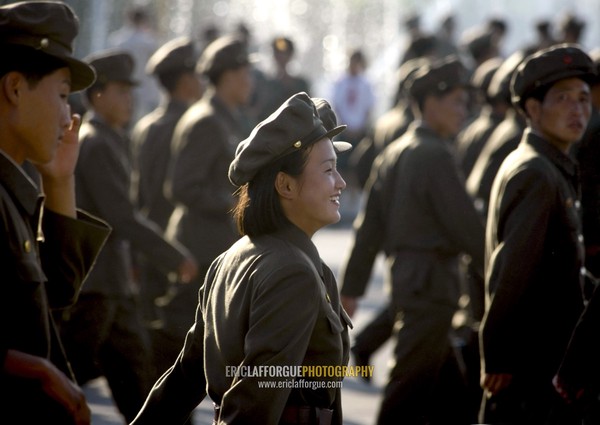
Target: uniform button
328, 299
27, 246
578, 204
582, 271
580, 238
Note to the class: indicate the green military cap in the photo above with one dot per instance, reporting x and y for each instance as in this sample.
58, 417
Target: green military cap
178, 54
437, 77
423, 45
112, 65
325, 112
548, 66
499, 87
483, 74
480, 43
406, 70
47, 27
595, 55
294, 125
224, 53
570, 22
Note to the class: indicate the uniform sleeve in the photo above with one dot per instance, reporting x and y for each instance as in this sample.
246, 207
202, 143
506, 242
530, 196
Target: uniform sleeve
454, 208
106, 181
68, 253
283, 313
181, 388
198, 176
369, 233
524, 208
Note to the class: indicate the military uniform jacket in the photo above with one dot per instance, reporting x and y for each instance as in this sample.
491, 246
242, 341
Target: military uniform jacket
261, 305
103, 187
503, 140
579, 372
534, 254
152, 152
420, 215
45, 258
471, 141
203, 146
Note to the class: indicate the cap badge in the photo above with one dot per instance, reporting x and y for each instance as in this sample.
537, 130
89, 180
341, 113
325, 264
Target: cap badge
44, 42
568, 59
298, 144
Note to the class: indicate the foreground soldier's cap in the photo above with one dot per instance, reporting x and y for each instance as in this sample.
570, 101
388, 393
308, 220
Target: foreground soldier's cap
113, 65
548, 66
438, 77
178, 54
47, 27
225, 53
294, 125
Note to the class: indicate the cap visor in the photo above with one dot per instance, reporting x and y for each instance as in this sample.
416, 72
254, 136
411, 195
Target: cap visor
338, 145
82, 75
341, 147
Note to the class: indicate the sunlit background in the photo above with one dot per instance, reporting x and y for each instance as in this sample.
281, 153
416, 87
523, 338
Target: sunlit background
324, 30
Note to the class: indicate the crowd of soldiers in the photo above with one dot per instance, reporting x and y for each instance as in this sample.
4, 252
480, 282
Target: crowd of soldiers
480, 185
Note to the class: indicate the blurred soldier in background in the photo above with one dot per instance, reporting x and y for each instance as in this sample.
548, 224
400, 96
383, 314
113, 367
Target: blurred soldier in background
202, 148
173, 65
281, 83
103, 332
137, 38
420, 215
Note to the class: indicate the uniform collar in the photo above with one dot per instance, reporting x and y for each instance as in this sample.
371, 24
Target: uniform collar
98, 121
424, 130
19, 184
176, 106
558, 158
297, 237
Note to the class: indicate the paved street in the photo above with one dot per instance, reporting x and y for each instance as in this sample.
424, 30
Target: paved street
360, 400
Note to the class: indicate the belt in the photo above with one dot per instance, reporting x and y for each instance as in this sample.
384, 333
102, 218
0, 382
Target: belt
296, 415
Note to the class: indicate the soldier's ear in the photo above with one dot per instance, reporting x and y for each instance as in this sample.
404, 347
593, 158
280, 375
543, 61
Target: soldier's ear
532, 108
285, 185
12, 85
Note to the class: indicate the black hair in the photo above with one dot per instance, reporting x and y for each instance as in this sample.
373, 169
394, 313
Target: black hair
419, 100
215, 76
259, 210
170, 79
33, 64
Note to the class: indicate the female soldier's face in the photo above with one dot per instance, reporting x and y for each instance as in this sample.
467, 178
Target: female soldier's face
317, 200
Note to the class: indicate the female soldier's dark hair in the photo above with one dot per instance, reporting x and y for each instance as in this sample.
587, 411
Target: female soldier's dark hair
258, 210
